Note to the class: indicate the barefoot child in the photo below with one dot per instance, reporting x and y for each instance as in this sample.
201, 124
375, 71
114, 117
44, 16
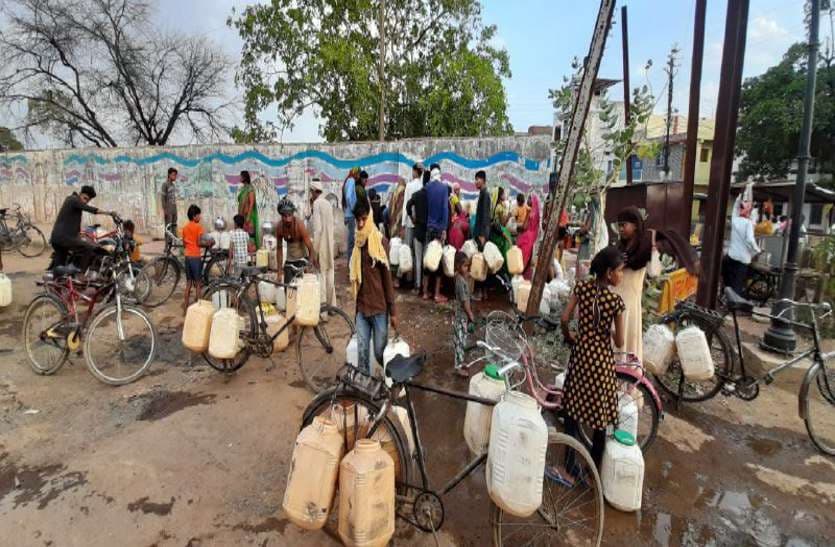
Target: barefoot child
590, 395
463, 310
192, 241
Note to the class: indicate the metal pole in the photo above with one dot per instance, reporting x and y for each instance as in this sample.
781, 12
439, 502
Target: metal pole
721, 164
693, 112
780, 335
381, 127
624, 21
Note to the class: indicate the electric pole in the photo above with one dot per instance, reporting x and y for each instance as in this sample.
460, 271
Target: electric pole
670, 70
381, 73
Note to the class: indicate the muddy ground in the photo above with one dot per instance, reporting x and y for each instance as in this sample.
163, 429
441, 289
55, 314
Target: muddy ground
187, 456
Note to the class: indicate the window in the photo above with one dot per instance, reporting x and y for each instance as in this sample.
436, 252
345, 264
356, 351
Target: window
659, 160
705, 154
815, 215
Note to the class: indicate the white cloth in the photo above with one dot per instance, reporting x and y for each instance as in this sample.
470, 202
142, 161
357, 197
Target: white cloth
411, 188
743, 245
323, 240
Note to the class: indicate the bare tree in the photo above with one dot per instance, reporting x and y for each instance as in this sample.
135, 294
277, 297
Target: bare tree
96, 72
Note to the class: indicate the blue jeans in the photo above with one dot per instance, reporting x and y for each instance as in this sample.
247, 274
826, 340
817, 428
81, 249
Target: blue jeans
351, 226
368, 326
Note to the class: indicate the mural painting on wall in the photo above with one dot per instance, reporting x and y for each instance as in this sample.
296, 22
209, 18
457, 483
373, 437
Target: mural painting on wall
129, 180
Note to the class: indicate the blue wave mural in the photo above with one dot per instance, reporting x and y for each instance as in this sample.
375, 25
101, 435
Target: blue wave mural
254, 155
17, 157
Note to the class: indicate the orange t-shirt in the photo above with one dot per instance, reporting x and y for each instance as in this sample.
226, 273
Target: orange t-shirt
191, 238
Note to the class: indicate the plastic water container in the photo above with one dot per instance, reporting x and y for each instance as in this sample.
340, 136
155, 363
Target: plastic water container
659, 349
398, 415
559, 380
220, 299
622, 472
225, 240
275, 321
432, 255
477, 419
515, 281
515, 262
478, 267
307, 313
5, 290
694, 354
394, 347
269, 242
280, 299
469, 248
197, 326
314, 469
449, 260
394, 251
628, 413
404, 259
262, 258
522, 295
366, 496
224, 339
516, 455
545, 301
493, 257
292, 299
352, 420
266, 291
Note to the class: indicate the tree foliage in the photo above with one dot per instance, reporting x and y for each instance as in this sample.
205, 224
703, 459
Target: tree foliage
8, 142
442, 73
96, 72
771, 114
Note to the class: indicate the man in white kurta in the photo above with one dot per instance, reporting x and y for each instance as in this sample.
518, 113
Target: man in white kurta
323, 241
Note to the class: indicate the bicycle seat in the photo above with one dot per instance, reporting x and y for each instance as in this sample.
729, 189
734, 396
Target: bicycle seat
249, 271
402, 369
65, 271
734, 302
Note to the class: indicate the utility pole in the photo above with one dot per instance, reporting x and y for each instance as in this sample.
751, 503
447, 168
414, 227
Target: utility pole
671, 72
780, 335
624, 27
573, 140
381, 73
693, 113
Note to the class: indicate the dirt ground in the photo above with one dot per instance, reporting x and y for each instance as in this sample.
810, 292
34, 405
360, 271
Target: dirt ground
189, 457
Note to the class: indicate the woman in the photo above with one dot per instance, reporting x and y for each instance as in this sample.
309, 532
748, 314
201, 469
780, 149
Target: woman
636, 245
460, 228
499, 234
248, 208
529, 234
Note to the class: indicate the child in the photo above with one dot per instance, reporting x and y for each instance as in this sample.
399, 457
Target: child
463, 311
133, 242
590, 394
192, 241
238, 246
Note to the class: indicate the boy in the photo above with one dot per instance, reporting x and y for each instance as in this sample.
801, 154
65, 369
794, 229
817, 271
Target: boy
192, 241
133, 242
238, 246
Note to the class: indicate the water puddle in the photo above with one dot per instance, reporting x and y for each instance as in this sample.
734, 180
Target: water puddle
161, 404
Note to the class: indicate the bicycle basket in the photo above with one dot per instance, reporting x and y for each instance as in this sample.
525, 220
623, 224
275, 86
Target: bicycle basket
503, 333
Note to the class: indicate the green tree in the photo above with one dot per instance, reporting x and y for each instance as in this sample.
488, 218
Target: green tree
442, 73
8, 142
771, 112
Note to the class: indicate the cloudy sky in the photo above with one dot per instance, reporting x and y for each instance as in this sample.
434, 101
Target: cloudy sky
542, 36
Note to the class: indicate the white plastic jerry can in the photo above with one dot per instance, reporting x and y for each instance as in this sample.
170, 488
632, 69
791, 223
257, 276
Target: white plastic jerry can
659, 349
262, 258
522, 295
493, 257
280, 299
394, 251
366, 496
449, 261
5, 290
307, 312
266, 291
516, 455
275, 322
225, 240
478, 267
198, 326
628, 414
694, 354
559, 380
404, 259
469, 248
477, 419
224, 339
622, 472
515, 262
432, 255
313, 475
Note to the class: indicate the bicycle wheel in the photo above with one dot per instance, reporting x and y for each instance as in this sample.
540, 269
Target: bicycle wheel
120, 346
44, 339
227, 295
648, 414
321, 351
215, 269
33, 243
164, 274
820, 410
570, 514
136, 290
723, 363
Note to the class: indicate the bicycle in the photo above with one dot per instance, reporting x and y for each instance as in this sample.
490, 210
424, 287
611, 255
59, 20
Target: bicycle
119, 340
816, 407
571, 511
320, 350
165, 271
25, 237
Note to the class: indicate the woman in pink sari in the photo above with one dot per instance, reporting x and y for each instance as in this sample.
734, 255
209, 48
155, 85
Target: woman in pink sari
527, 239
460, 227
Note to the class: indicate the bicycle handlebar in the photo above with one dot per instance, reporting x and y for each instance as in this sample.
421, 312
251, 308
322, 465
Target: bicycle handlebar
824, 307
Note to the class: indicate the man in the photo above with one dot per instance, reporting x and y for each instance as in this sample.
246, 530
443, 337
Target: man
65, 232
408, 225
372, 288
481, 227
416, 210
169, 200
349, 200
299, 246
321, 221
437, 221
743, 248
395, 207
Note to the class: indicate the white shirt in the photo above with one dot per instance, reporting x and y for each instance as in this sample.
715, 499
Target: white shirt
743, 243
411, 188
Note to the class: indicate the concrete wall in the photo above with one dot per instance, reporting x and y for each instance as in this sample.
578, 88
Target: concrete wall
128, 179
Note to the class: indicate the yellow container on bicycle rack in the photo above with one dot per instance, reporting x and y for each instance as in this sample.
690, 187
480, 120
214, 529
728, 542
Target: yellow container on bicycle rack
366, 496
225, 337
275, 322
198, 326
308, 300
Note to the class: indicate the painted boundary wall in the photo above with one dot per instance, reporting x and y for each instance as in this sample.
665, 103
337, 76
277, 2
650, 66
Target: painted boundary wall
128, 180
